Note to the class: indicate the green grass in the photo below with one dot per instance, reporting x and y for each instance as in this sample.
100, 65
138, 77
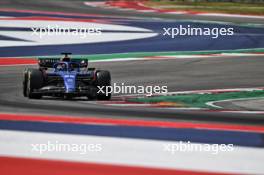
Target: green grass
218, 7
199, 100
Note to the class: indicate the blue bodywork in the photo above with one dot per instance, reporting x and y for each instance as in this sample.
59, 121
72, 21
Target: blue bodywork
69, 72
69, 81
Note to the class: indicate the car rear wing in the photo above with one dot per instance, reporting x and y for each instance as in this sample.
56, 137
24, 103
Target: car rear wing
49, 62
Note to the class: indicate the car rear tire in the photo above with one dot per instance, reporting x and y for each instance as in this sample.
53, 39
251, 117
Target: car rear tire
103, 79
25, 82
34, 79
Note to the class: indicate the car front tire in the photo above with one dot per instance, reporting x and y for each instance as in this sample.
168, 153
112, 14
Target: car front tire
103, 79
34, 81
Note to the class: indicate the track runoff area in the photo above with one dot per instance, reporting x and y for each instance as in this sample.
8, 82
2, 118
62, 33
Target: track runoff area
52, 144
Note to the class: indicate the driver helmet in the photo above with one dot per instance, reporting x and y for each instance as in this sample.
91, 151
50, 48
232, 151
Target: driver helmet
66, 58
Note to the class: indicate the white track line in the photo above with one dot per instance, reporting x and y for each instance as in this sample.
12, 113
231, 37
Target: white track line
212, 103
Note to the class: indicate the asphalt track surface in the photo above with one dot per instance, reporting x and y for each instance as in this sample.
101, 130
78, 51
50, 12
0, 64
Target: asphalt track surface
189, 74
176, 74
78, 7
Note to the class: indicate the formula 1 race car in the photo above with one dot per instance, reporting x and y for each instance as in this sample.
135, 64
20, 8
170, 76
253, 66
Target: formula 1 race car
65, 77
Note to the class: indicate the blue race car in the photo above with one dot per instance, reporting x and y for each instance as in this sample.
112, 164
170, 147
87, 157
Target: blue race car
65, 78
